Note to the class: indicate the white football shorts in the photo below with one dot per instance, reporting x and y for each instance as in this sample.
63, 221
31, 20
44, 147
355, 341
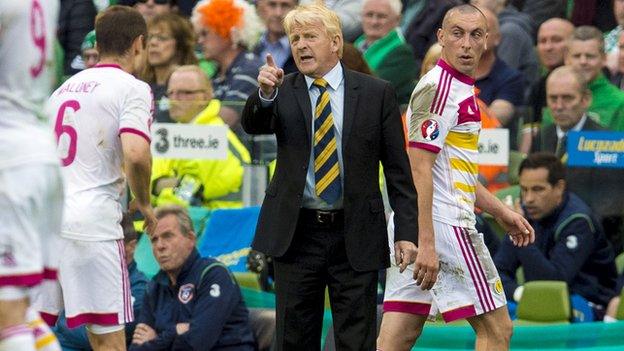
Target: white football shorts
468, 283
31, 205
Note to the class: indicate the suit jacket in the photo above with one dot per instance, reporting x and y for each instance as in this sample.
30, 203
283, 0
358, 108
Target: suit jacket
372, 132
600, 188
548, 134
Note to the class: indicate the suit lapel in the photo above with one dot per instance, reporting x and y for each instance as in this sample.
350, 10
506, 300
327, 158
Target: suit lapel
303, 99
350, 105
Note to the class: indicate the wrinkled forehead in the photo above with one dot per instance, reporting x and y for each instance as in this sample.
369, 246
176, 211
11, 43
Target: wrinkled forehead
468, 22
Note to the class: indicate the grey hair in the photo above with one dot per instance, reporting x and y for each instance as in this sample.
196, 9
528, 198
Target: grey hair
185, 224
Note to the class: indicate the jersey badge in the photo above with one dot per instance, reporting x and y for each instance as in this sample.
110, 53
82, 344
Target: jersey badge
498, 286
429, 129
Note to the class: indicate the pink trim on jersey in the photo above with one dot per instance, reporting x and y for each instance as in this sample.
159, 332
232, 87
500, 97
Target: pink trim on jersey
25, 280
418, 308
109, 65
478, 284
459, 313
445, 82
104, 319
464, 78
488, 291
437, 94
127, 303
14, 330
50, 274
49, 318
428, 147
137, 132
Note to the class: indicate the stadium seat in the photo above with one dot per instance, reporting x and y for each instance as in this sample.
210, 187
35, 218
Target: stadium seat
515, 158
228, 236
619, 263
248, 280
544, 302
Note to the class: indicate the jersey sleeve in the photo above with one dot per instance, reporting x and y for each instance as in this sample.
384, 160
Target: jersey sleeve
429, 119
136, 114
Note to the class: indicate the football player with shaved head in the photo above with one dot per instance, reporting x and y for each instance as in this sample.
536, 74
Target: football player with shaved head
453, 274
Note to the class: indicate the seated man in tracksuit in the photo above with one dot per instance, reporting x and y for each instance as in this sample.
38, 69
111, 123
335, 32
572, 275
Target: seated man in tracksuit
192, 303
570, 244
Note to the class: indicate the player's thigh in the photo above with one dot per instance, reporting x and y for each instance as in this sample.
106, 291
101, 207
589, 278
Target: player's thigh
95, 284
25, 208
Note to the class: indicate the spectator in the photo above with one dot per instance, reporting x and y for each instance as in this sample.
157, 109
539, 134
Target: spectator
208, 183
192, 303
552, 37
350, 13
618, 77
570, 244
568, 98
228, 31
152, 8
585, 53
501, 86
76, 19
541, 10
384, 47
422, 18
274, 40
612, 38
76, 339
517, 33
90, 55
170, 43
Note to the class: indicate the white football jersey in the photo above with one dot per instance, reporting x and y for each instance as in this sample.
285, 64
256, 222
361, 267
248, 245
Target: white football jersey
449, 126
27, 32
91, 110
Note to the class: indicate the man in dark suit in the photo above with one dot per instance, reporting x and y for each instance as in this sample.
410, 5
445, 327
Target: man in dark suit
568, 98
323, 217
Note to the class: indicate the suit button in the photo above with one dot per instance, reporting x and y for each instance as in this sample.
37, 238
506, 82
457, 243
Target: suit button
304, 167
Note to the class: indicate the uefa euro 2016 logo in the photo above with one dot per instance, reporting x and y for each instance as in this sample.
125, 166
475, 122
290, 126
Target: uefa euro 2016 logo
429, 129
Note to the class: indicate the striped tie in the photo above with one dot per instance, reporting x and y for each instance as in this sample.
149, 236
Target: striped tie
326, 168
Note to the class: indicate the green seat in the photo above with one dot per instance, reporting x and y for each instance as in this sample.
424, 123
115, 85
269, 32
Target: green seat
520, 276
248, 280
619, 263
544, 301
619, 314
515, 158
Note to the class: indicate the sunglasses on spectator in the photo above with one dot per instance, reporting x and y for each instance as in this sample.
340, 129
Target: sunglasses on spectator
157, 2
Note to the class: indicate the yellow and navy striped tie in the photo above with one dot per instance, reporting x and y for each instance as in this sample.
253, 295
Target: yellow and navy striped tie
326, 168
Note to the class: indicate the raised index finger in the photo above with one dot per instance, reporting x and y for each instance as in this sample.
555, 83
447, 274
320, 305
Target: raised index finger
270, 62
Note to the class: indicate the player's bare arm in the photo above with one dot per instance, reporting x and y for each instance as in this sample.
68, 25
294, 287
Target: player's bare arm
516, 226
138, 167
426, 266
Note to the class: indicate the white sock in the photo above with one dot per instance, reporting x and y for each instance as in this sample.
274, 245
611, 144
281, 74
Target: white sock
17, 338
45, 340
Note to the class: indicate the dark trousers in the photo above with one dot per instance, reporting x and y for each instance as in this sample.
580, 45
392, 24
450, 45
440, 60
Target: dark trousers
317, 259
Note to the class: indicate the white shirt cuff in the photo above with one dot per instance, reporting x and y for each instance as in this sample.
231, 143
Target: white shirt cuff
267, 102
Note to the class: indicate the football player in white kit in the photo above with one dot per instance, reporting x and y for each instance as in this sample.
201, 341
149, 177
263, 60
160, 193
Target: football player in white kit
453, 273
102, 122
31, 196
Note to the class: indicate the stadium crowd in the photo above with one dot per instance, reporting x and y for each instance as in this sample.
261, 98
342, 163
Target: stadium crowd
550, 67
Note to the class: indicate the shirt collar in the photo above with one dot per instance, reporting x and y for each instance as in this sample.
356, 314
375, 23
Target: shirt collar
333, 77
576, 128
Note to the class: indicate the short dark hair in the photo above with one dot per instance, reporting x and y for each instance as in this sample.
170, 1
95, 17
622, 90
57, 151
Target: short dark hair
584, 33
116, 29
556, 170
